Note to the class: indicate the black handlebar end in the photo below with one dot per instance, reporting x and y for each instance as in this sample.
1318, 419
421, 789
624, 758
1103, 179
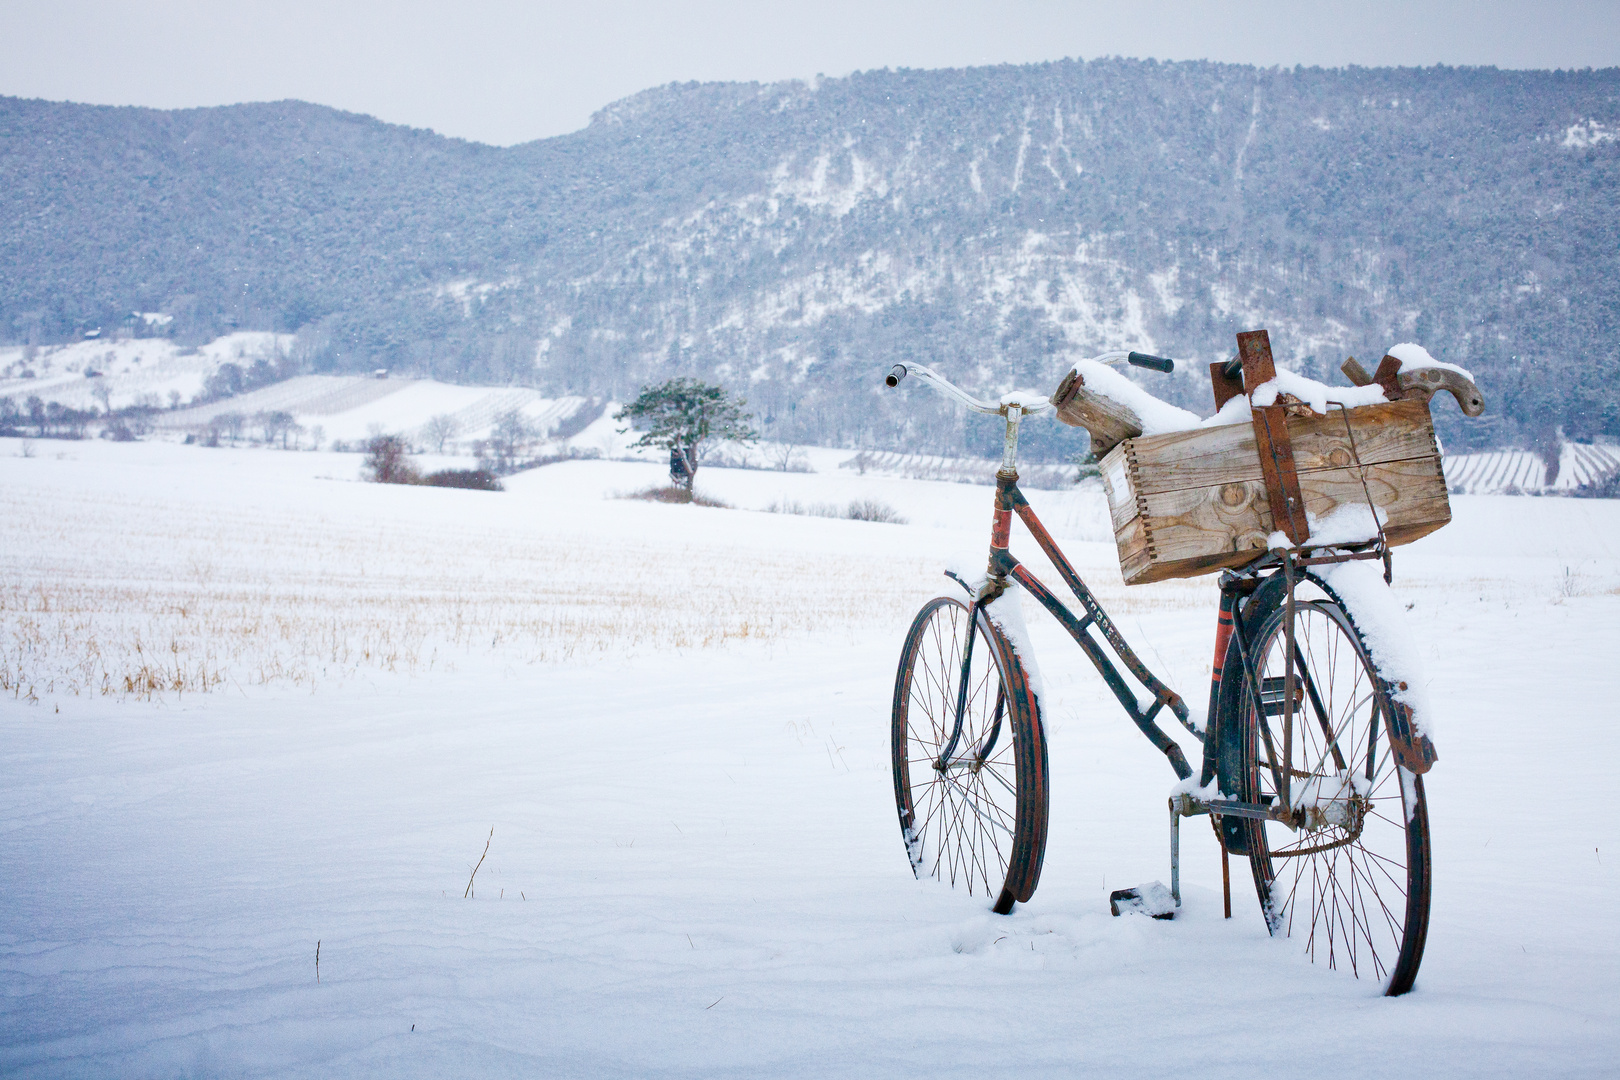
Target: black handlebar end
895, 374
1157, 363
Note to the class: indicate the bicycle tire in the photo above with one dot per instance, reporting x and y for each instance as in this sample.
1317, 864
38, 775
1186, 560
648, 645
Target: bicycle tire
979, 819
1356, 890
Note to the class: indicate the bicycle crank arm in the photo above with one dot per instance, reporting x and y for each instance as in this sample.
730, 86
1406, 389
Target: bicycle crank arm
1336, 812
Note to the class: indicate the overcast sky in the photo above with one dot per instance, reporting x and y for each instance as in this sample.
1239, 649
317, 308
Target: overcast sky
504, 71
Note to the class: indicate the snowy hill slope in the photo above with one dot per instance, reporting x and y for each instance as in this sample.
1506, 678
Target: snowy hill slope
1513, 471
131, 371
781, 236
353, 407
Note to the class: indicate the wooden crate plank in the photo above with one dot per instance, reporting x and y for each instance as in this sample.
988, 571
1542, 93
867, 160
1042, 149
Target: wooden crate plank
1134, 557
1195, 530
1209, 457
1115, 469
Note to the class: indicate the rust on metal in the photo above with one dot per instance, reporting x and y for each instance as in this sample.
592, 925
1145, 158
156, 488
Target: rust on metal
1254, 350
1001, 529
1271, 434
1415, 752
1286, 502
1388, 376
1223, 638
1226, 387
1226, 870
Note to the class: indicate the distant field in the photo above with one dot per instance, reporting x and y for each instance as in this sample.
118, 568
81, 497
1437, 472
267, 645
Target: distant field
160, 569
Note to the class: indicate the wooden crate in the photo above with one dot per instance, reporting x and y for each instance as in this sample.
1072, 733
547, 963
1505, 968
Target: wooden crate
1193, 502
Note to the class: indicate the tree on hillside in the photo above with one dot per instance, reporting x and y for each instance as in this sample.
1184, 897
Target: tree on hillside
441, 429
277, 424
386, 462
507, 445
682, 415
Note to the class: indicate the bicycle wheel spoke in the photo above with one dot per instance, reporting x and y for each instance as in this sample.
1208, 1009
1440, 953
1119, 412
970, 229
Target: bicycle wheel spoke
1348, 895
967, 817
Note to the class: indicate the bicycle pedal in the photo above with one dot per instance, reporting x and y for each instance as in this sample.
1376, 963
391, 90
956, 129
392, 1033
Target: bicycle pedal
1152, 899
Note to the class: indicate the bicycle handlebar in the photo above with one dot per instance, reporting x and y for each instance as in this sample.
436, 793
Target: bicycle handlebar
1028, 403
1022, 400
1157, 363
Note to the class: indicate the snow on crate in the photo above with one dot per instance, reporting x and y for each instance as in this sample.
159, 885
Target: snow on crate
1414, 357
1159, 417
1350, 523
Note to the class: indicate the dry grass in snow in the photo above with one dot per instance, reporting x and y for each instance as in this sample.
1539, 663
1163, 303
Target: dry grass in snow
141, 595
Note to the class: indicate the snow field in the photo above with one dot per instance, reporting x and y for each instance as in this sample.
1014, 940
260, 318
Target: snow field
701, 837
300, 573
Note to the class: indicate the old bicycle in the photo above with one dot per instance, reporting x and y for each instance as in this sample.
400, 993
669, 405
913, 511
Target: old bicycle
1311, 764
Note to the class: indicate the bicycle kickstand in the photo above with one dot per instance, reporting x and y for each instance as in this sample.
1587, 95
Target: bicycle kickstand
1186, 806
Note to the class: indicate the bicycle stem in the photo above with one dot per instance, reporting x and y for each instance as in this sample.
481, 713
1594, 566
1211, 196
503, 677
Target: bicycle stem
1009, 446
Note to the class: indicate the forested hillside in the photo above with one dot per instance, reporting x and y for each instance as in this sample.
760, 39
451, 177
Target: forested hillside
792, 240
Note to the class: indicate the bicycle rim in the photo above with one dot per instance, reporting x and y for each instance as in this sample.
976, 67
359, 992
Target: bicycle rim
971, 795
1352, 886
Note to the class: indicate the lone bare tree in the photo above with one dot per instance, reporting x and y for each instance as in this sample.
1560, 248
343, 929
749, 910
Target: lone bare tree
508, 443
441, 429
682, 415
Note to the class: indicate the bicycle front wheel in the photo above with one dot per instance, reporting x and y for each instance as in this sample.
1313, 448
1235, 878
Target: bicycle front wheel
1351, 880
969, 757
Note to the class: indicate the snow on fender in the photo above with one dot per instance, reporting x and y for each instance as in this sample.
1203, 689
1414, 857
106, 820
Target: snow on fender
1393, 650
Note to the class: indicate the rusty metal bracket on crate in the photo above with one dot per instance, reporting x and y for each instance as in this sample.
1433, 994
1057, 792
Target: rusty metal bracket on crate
1286, 502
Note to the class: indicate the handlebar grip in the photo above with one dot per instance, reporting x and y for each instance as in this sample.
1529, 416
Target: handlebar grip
895, 374
1157, 363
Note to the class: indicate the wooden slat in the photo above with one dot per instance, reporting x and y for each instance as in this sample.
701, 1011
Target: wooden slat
1115, 468
1206, 457
1195, 531
1135, 559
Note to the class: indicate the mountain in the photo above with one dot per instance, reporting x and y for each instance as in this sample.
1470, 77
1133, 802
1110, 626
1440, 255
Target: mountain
793, 240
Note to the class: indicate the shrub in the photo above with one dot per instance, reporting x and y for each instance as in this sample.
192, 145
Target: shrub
476, 479
1607, 487
872, 510
675, 493
386, 463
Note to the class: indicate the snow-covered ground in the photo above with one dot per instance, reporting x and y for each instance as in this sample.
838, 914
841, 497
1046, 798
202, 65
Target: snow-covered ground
131, 371
675, 720
351, 408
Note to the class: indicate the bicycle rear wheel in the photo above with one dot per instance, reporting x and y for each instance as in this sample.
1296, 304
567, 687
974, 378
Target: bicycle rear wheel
971, 789
1352, 883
